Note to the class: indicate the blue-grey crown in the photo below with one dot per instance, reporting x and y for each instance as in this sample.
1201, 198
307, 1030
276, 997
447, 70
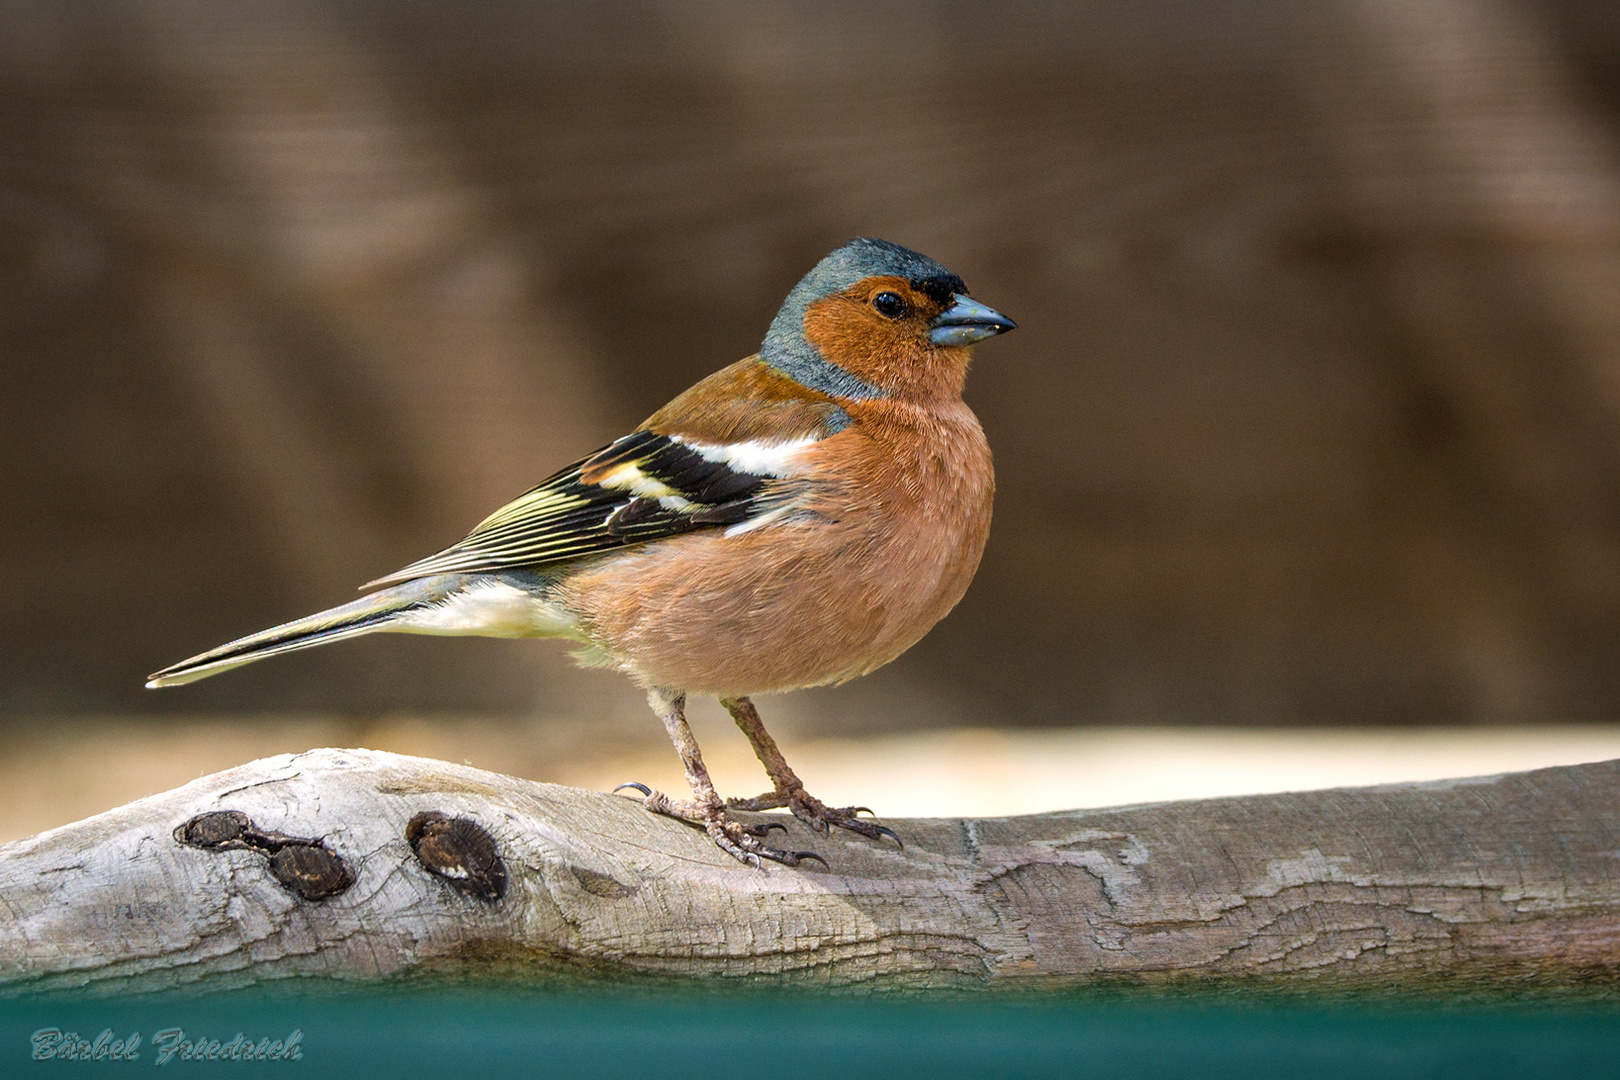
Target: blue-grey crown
785, 348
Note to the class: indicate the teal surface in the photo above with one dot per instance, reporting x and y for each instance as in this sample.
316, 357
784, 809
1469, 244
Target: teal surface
673, 1033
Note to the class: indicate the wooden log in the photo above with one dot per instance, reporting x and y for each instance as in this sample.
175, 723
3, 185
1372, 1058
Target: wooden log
359, 865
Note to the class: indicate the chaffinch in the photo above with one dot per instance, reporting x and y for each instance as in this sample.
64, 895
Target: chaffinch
801, 517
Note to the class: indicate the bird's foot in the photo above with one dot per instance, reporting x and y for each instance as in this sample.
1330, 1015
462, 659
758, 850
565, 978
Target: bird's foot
739, 840
815, 813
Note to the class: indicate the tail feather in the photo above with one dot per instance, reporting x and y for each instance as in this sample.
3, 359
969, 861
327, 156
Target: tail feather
363, 616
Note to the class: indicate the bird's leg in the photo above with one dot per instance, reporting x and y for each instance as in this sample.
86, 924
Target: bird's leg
789, 789
706, 808
786, 781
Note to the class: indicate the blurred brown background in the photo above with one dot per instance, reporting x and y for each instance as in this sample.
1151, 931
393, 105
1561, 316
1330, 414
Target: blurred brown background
1313, 416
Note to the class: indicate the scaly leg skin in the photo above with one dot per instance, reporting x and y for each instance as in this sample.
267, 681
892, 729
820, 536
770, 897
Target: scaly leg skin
706, 808
789, 790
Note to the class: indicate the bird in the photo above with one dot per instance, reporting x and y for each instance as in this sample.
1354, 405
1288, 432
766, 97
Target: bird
798, 518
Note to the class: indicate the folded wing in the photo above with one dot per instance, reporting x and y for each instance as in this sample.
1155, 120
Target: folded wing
642, 487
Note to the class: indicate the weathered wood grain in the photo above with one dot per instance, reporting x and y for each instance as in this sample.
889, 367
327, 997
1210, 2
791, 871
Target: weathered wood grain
1488, 880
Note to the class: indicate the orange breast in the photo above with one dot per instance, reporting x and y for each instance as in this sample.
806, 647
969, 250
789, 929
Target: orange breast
887, 535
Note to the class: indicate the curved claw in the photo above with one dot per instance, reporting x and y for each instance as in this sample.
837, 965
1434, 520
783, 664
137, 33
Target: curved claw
764, 829
643, 788
884, 830
852, 811
800, 856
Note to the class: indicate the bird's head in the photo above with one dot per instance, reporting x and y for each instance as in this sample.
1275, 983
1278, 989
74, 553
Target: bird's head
874, 319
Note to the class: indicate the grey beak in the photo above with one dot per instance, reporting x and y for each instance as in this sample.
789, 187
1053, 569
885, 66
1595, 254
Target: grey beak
967, 321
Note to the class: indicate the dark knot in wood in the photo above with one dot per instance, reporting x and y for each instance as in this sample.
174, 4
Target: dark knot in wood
217, 831
599, 884
305, 865
459, 850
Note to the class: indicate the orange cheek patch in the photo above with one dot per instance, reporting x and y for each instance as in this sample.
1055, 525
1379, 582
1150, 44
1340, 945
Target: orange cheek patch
848, 332
891, 354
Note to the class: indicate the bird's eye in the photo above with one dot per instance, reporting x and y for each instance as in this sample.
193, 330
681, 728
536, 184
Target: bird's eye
889, 305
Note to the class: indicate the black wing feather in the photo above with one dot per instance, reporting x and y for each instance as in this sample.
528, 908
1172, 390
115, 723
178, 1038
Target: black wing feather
642, 487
